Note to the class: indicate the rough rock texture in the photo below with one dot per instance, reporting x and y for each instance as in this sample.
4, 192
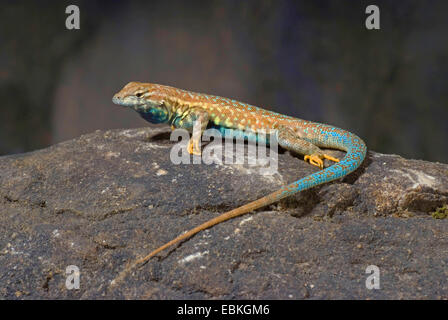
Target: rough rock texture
106, 198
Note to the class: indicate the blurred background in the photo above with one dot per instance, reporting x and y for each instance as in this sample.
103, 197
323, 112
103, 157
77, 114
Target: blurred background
310, 59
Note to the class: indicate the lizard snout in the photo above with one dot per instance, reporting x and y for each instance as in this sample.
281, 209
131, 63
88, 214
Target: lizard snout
116, 99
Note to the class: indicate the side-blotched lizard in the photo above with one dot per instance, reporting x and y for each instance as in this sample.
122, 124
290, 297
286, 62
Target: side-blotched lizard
189, 110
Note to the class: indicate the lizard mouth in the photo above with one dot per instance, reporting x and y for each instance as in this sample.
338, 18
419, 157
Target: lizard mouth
117, 101
128, 102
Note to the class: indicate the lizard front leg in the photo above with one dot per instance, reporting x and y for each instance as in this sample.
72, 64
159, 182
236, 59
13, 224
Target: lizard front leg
195, 121
288, 139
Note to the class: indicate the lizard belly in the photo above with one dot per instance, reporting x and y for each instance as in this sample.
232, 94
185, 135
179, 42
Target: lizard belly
247, 135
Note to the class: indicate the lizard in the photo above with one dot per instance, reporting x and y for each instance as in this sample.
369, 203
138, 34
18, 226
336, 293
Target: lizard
196, 111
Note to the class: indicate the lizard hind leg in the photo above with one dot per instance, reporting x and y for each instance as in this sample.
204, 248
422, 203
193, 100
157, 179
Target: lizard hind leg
290, 140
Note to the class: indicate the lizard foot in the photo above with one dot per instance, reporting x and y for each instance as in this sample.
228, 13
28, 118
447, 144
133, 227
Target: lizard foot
326, 156
193, 147
317, 159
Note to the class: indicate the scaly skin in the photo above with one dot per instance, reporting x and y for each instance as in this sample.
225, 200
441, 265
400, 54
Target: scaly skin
182, 109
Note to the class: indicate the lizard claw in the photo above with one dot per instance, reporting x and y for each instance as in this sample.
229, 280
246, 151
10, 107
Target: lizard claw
193, 147
317, 159
326, 156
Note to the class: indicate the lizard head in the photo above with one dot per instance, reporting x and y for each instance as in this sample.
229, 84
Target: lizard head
145, 98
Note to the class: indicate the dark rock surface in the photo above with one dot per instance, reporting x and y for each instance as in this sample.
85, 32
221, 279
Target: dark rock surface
107, 198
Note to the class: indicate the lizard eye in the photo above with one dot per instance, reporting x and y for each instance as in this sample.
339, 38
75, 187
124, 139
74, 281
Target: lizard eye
139, 94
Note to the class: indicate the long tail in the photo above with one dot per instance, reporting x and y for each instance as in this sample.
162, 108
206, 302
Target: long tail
356, 152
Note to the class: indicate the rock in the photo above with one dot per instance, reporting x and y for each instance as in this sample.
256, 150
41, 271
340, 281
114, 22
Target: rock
101, 201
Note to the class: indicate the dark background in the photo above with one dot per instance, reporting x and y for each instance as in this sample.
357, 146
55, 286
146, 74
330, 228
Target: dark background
310, 59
